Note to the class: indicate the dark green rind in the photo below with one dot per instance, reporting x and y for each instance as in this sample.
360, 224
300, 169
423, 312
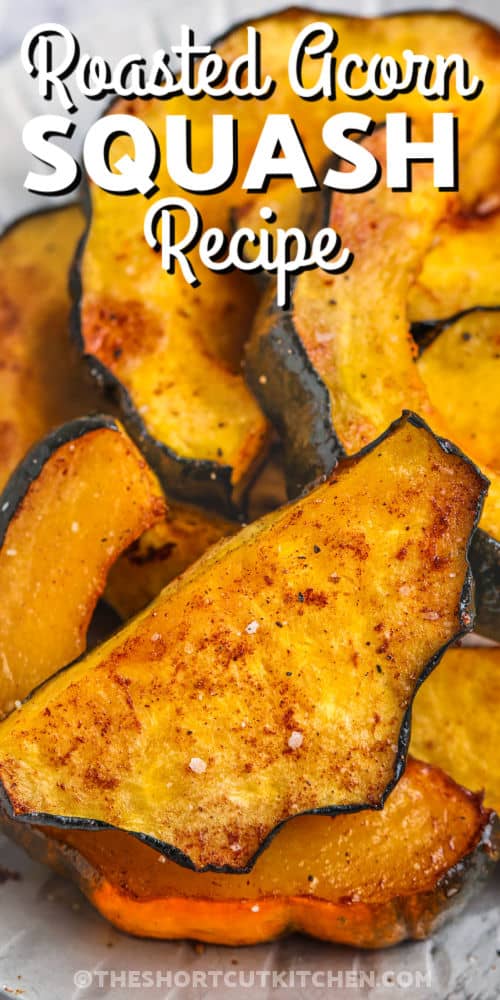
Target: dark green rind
197, 481
284, 381
31, 466
485, 563
293, 397
426, 332
466, 623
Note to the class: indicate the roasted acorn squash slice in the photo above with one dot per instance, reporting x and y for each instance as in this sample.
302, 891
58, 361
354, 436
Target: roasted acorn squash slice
65, 517
324, 876
161, 554
274, 677
460, 366
179, 381
461, 372
331, 371
461, 269
43, 381
460, 733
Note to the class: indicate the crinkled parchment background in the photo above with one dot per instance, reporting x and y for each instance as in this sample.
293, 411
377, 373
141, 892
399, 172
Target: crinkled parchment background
48, 932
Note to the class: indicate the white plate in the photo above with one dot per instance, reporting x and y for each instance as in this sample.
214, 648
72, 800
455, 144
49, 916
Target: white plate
48, 932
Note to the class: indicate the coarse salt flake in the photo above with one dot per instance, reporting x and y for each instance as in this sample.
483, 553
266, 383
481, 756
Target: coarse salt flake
11, 552
295, 741
156, 637
75, 527
252, 627
197, 765
256, 908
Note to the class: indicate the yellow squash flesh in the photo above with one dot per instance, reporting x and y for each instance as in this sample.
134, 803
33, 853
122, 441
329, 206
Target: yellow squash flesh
274, 676
61, 537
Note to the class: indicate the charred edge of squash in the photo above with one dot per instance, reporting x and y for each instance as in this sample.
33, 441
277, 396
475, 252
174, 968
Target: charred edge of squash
466, 616
31, 466
485, 562
292, 379
448, 897
455, 884
293, 386
194, 480
426, 332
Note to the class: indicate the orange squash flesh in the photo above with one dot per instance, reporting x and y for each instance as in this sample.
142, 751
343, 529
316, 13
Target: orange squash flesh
124, 289
370, 879
460, 733
161, 554
63, 521
341, 363
461, 269
43, 382
461, 370
305, 635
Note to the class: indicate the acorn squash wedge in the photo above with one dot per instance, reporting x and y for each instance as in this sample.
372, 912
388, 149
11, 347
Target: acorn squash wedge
161, 554
460, 271
460, 366
332, 371
43, 381
460, 734
64, 519
137, 325
274, 677
323, 876
335, 367
167, 549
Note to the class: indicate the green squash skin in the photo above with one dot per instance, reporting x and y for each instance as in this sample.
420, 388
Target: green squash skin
294, 398
485, 563
284, 381
425, 333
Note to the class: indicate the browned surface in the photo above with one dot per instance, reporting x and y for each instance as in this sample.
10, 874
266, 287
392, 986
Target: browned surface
299, 626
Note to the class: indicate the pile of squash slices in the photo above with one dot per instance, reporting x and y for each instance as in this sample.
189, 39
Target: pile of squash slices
292, 519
